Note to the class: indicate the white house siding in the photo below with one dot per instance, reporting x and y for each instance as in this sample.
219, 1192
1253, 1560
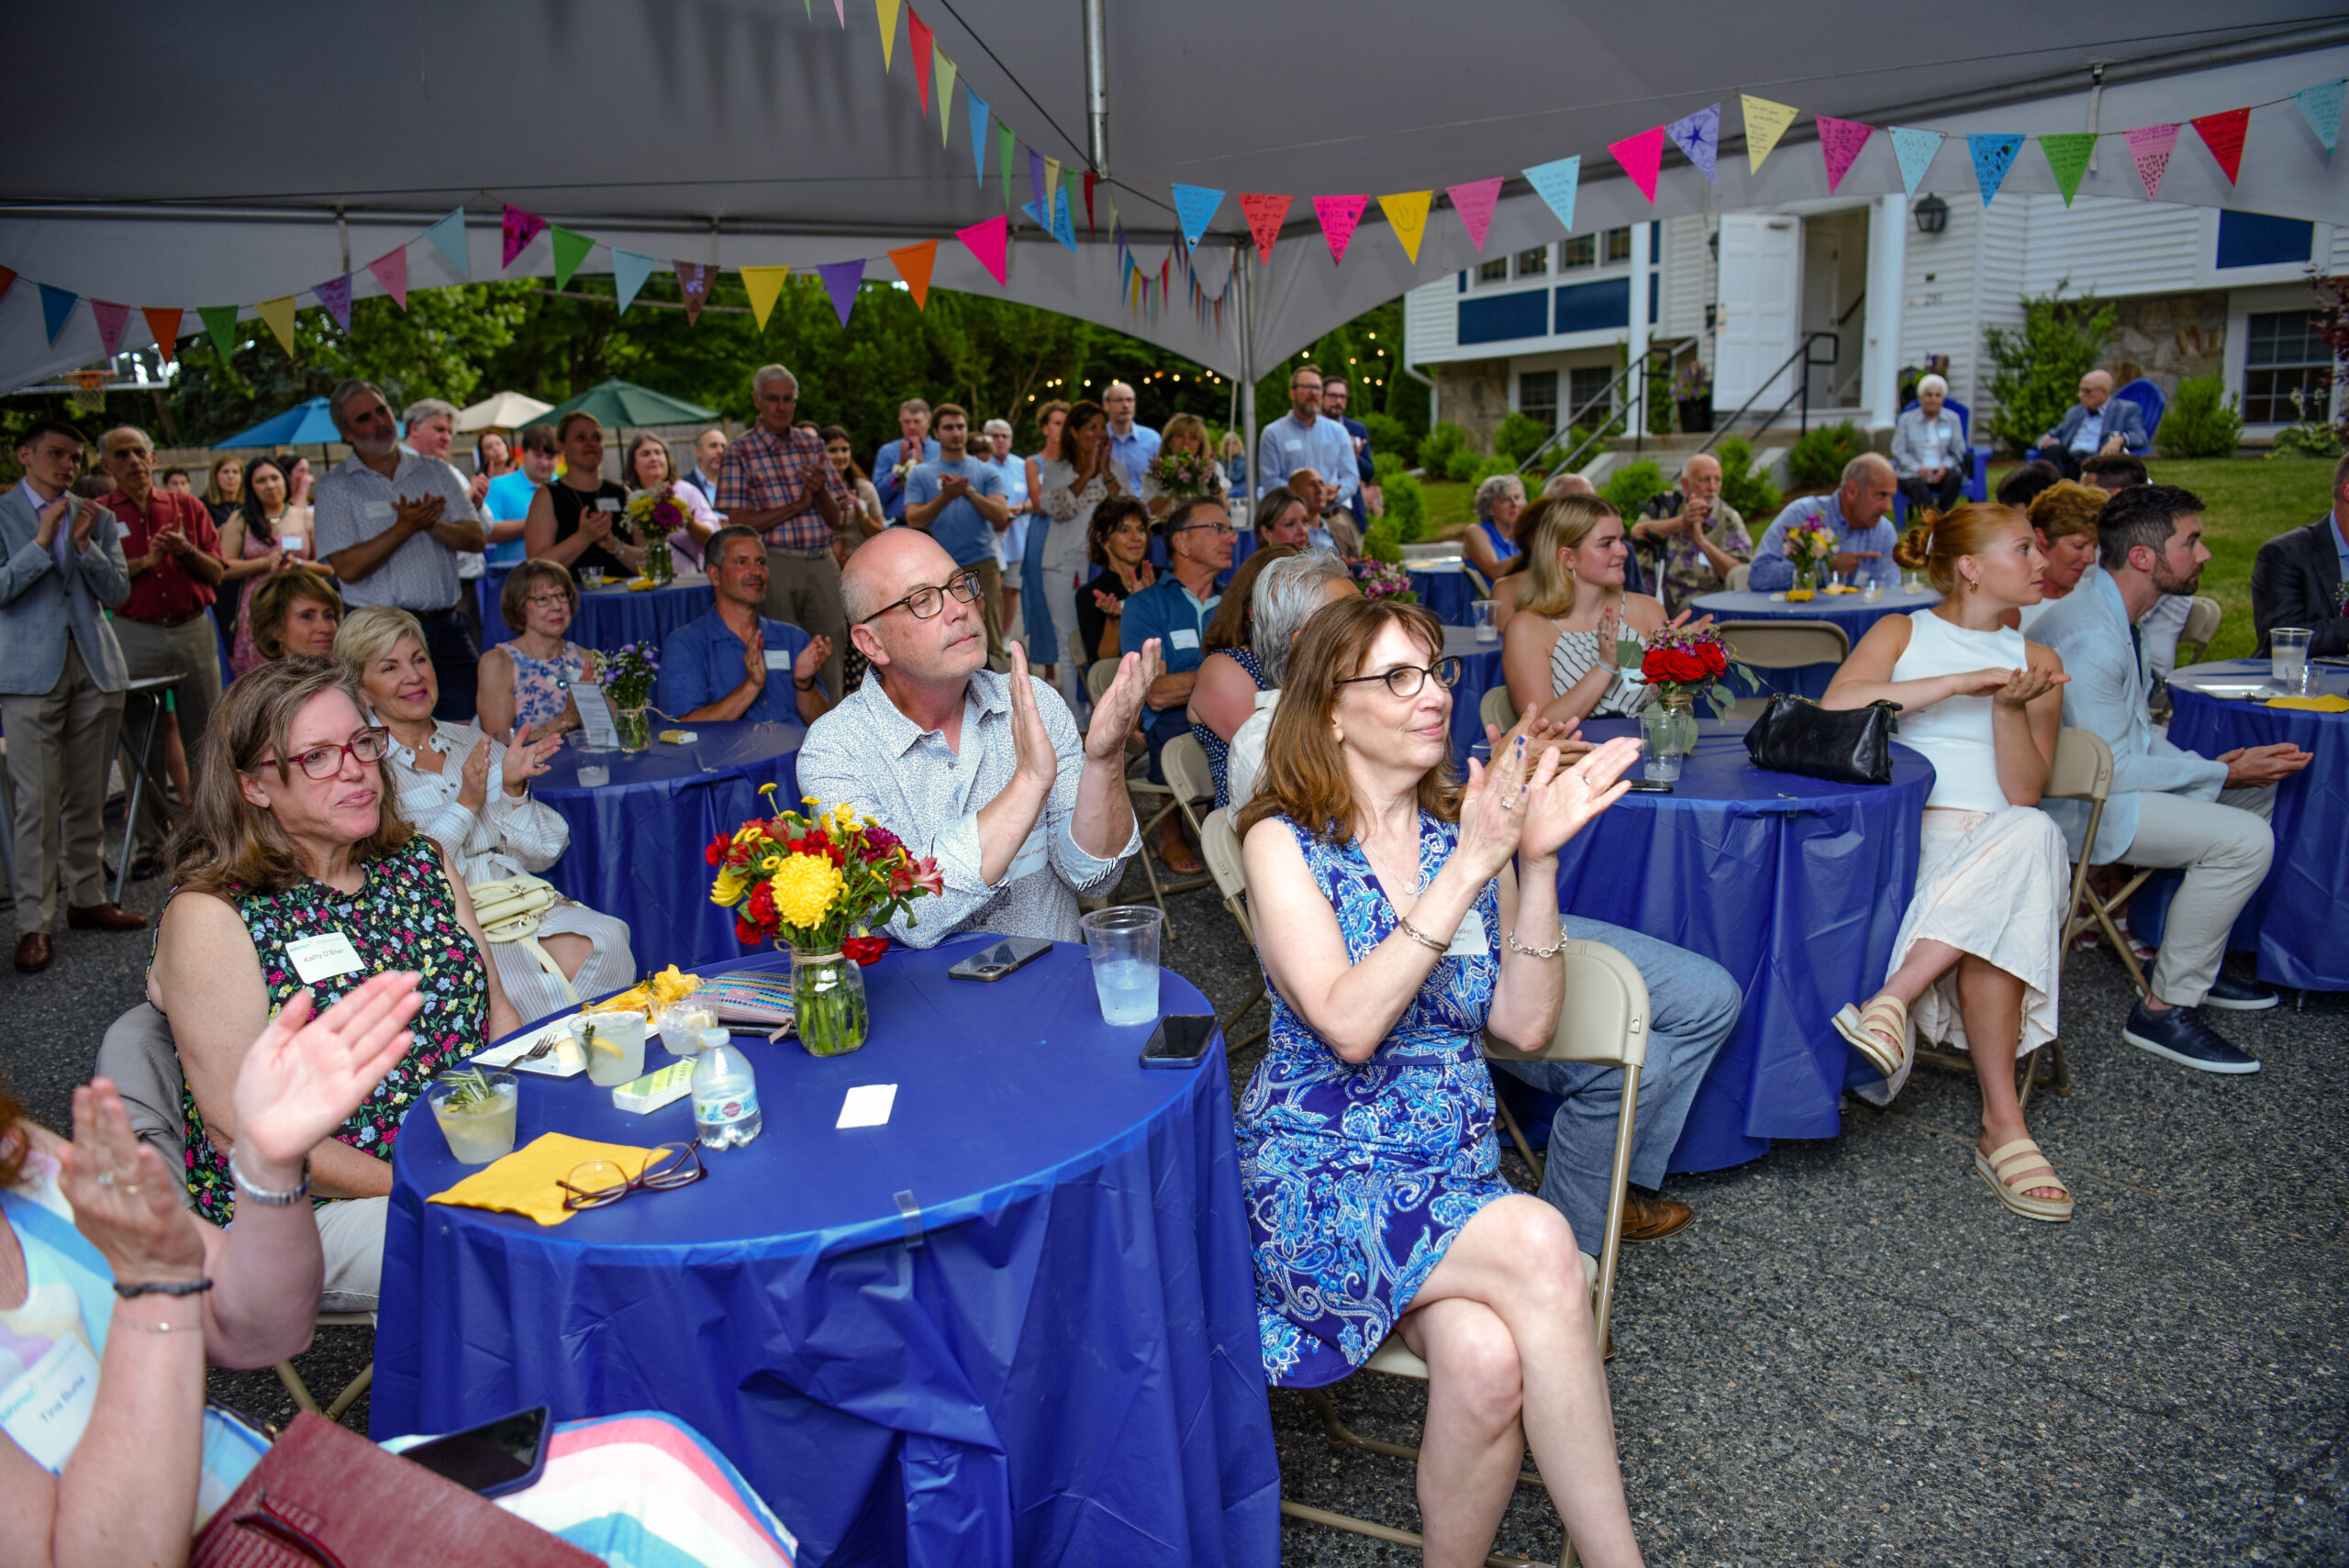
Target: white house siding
2112, 246
1689, 283
1431, 320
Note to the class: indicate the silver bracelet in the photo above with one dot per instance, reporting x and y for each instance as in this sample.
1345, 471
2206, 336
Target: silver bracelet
1421, 937
262, 1195
1550, 952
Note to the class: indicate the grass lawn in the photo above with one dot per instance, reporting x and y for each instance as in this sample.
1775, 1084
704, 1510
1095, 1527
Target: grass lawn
1450, 507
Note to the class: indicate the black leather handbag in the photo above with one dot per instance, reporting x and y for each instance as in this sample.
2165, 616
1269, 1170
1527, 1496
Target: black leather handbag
1795, 735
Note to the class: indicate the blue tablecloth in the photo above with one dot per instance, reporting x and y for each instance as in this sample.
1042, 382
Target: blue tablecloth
636, 839
1853, 612
2297, 921
1798, 898
609, 616
1060, 1367
1480, 671
1448, 594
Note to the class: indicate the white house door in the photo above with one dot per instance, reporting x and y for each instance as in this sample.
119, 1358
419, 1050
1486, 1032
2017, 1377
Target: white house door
1761, 305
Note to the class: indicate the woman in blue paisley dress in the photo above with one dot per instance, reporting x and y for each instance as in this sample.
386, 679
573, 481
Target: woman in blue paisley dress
1367, 1154
295, 871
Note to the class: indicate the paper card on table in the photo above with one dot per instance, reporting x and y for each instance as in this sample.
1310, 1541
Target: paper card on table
868, 1104
321, 957
596, 719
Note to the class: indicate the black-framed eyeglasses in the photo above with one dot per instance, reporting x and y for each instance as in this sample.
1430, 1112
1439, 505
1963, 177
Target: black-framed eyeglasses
600, 1183
369, 746
923, 603
1405, 680
1221, 531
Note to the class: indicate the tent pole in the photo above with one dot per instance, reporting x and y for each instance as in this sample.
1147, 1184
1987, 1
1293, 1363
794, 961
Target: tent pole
1097, 89
1247, 301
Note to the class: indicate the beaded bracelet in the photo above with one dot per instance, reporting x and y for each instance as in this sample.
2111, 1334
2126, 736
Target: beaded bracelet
162, 1287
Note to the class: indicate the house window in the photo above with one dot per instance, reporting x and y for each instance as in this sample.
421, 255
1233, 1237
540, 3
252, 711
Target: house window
1537, 397
1493, 272
1581, 251
1589, 382
1533, 263
1619, 245
2287, 368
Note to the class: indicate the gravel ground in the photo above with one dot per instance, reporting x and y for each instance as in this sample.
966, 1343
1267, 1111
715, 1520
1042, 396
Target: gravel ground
1855, 1355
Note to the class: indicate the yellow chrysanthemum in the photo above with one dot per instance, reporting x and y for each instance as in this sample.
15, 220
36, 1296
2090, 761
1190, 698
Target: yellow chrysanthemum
804, 887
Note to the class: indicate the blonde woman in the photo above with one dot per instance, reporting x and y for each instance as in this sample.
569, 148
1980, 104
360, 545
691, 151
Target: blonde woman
1561, 651
1184, 432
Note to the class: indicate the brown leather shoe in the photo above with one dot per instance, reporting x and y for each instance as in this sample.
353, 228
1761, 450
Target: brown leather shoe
103, 918
32, 952
1652, 1218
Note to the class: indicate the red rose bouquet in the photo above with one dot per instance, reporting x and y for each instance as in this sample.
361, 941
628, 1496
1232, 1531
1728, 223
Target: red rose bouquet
1685, 664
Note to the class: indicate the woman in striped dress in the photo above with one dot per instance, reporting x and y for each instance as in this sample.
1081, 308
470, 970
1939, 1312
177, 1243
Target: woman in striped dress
1564, 651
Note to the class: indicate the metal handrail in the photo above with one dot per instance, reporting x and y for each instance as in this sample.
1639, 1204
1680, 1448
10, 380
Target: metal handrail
1801, 393
1606, 398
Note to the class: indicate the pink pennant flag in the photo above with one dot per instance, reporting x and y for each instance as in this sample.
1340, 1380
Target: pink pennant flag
391, 271
1338, 215
918, 34
1474, 202
335, 294
521, 228
1265, 215
2151, 147
1840, 142
988, 242
111, 317
1642, 157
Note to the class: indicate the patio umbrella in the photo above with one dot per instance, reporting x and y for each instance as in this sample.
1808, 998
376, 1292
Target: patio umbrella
624, 405
506, 411
303, 425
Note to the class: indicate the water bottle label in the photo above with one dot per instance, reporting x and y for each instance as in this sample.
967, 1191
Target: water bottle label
721, 1110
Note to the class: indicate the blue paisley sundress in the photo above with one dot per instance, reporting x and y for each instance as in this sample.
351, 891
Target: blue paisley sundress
1357, 1177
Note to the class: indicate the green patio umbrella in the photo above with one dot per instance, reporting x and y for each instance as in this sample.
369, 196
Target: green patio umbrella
624, 405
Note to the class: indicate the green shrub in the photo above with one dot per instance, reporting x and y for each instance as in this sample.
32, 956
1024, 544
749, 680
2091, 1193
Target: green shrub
1380, 543
1469, 466
1757, 499
2202, 420
1387, 434
1633, 487
2036, 368
1519, 437
1818, 456
1406, 504
2303, 439
1442, 443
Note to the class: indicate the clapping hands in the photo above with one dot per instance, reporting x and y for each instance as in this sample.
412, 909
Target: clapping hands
305, 1074
1533, 798
1118, 713
525, 759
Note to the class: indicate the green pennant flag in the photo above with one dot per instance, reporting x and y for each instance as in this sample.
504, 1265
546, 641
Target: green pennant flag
1003, 140
570, 247
221, 321
2067, 157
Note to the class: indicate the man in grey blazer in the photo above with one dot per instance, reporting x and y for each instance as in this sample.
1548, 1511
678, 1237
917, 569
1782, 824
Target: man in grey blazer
62, 677
2168, 806
2094, 425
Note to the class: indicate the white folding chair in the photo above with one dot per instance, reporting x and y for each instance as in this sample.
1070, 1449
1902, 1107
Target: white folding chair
1219, 846
1780, 645
1497, 710
1096, 682
2201, 626
1739, 576
1605, 1019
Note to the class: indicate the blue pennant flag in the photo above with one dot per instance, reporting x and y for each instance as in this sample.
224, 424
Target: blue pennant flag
1993, 156
1915, 149
1194, 207
448, 237
56, 306
979, 132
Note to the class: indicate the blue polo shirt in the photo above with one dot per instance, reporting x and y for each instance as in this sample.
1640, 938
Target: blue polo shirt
1168, 611
702, 661
508, 500
960, 529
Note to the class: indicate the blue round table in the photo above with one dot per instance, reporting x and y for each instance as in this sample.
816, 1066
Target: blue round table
611, 614
1480, 671
637, 835
1795, 885
1853, 612
1446, 591
1014, 1325
2295, 922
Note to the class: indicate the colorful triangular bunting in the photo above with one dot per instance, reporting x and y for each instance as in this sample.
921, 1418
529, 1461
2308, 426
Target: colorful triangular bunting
335, 294
924, 44
111, 320
1339, 217
989, 241
1839, 143
570, 247
1265, 214
1700, 137
2067, 158
1555, 183
943, 69
693, 280
7, 281
1195, 210
1766, 122
448, 237
1474, 202
978, 135
1091, 179
278, 316
763, 284
2223, 134
840, 280
630, 269
520, 229
1036, 178
1915, 149
887, 12
914, 263
1993, 156
56, 306
1642, 157
2150, 147
2321, 106
162, 320
220, 324
1407, 215
1051, 178
391, 271
1003, 145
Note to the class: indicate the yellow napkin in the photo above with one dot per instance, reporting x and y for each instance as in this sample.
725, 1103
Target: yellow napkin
641, 585
524, 1181
2313, 705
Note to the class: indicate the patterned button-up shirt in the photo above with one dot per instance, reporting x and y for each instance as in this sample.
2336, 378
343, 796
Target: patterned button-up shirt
1687, 571
764, 470
504, 837
869, 756
354, 504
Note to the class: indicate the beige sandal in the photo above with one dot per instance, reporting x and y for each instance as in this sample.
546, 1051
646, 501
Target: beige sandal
2014, 1171
1878, 1031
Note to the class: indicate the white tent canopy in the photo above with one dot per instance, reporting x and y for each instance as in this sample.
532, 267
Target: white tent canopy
740, 132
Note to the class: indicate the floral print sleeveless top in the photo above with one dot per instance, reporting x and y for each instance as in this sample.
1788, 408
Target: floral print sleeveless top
403, 916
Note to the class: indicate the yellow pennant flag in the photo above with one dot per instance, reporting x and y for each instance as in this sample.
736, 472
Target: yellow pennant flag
888, 12
1051, 187
1407, 213
279, 314
943, 69
765, 283
1766, 122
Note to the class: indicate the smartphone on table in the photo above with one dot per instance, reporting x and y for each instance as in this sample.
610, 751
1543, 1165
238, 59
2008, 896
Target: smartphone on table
492, 1459
992, 963
1181, 1039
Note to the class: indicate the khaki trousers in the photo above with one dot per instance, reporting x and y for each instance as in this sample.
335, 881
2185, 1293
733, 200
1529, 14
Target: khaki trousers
2225, 846
191, 646
59, 746
804, 589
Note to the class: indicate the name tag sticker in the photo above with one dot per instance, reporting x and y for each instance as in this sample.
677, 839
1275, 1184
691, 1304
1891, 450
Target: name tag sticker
1183, 637
45, 1409
121, 529
778, 658
321, 957
1031, 857
378, 511
607, 504
291, 541
1469, 940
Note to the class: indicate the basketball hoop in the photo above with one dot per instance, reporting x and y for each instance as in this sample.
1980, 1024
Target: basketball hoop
89, 395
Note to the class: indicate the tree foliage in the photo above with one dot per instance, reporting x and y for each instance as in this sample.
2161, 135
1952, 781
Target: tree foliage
2036, 368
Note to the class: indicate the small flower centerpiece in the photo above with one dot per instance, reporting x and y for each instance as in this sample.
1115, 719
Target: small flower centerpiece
628, 672
1810, 547
1183, 474
811, 885
1680, 666
1380, 580
656, 514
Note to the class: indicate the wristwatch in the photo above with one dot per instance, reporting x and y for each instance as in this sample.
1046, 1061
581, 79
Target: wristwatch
262, 1195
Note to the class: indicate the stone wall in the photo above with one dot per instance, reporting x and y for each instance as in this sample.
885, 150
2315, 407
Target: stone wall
1473, 394
2165, 336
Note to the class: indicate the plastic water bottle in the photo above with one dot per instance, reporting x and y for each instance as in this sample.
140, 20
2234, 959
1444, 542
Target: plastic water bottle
726, 1095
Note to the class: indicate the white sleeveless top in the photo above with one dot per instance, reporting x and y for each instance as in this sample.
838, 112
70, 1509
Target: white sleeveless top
1955, 733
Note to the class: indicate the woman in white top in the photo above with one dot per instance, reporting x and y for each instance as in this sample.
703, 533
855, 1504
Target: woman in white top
1070, 487
472, 795
1929, 457
1977, 955
1560, 652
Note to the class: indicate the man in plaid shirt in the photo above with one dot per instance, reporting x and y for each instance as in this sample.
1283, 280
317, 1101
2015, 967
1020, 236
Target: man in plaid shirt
775, 479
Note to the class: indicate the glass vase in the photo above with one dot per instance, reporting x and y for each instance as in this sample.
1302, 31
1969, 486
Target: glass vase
1810, 576
635, 728
1667, 733
659, 567
828, 1002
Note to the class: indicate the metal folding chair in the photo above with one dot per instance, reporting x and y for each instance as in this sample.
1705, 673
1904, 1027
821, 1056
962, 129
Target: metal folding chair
153, 687
1098, 677
1219, 846
1780, 645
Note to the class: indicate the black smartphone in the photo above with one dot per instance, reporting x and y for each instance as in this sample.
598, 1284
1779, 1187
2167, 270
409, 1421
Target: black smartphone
1647, 787
492, 1459
1181, 1039
993, 962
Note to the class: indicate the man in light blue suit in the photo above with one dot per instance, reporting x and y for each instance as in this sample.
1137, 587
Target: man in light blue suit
2168, 806
61, 679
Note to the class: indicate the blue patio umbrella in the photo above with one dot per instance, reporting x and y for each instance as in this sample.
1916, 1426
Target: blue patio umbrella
303, 425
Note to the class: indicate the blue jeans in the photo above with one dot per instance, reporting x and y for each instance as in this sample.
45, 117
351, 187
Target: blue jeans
1692, 1005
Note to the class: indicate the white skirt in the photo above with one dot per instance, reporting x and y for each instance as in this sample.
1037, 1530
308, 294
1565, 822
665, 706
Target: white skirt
534, 993
1994, 884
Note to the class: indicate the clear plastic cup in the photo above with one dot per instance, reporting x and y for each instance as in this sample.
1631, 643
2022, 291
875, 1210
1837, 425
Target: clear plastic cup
613, 1044
1124, 945
476, 1109
682, 1025
2287, 657
1485, 630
